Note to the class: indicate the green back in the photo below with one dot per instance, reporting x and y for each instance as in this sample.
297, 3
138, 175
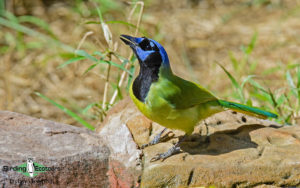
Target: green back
180, 93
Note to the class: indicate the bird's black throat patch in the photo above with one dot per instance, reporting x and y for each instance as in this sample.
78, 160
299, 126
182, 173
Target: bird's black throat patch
149, 69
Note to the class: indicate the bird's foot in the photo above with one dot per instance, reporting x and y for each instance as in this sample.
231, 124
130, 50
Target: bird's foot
173, 150
155, 140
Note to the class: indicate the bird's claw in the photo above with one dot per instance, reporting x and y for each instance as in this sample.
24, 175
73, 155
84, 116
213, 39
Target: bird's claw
157, 157
155, 140
163, 156
144, 145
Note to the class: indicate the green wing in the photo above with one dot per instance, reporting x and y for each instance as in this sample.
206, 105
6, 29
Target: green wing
182, 94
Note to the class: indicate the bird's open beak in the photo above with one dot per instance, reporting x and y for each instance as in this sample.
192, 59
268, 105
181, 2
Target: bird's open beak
128, 40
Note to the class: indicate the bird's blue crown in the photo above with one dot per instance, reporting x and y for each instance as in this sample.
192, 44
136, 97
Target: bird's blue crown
144, 47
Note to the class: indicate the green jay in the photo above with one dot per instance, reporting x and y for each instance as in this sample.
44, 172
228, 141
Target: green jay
169, 100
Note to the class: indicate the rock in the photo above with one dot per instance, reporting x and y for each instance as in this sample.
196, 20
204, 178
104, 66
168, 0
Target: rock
126, 166
235, 150
248, 156
76, 156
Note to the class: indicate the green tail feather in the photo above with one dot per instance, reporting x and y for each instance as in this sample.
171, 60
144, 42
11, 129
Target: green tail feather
244, 108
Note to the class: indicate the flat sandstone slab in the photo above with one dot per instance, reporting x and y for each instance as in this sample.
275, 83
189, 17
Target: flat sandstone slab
238, 151
249, 156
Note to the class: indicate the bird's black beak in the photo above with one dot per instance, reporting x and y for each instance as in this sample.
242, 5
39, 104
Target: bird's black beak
129, 40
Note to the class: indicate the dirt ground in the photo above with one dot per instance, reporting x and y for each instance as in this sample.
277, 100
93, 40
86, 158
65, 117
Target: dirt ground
196, 35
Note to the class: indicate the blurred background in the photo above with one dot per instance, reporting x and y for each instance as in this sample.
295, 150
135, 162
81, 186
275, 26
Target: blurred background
70, 52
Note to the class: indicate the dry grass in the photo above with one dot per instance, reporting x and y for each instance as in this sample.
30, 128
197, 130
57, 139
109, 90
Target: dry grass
195, 35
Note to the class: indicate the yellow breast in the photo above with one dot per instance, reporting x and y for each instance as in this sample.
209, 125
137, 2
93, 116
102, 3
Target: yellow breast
160, 111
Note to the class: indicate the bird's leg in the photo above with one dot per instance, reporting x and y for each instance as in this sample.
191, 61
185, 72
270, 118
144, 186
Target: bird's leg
170, 152
155, 140
206, 127
206, 132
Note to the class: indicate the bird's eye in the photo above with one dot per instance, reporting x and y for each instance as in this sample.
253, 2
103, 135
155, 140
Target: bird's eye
145, 45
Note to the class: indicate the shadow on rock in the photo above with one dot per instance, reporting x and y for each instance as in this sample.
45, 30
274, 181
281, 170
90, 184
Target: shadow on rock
220, 142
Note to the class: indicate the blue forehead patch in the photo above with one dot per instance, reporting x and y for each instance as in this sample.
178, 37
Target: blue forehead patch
144, 54
138, 40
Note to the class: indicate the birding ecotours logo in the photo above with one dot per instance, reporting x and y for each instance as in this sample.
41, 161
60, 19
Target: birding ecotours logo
30, 168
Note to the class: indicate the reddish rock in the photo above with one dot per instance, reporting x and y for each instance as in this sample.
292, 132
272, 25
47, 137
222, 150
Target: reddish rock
125, 156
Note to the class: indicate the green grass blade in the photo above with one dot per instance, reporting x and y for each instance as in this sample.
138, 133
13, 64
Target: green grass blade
298, 86
253, 66
288, 118
247, 80
274, 102
99, 14
86, 55
73, 60
2, 7
249, 102
257, 85
281, 100
133, 59
292, 65
232, 79
234, 61
99, 54
272, 70
115, 86
265, 95
262, 96
116, 65
38, 22
251, 45
290, 79
90, 68
125, 60
298, 77
92, 22
85, 110
122, 22
235, 84
291, 83
33, 33
106, 31
67, 111
10, 16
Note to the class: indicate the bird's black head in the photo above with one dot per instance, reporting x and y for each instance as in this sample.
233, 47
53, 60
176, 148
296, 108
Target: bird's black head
149, 52
152, 56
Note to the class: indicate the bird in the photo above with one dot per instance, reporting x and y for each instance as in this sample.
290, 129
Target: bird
169, 100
